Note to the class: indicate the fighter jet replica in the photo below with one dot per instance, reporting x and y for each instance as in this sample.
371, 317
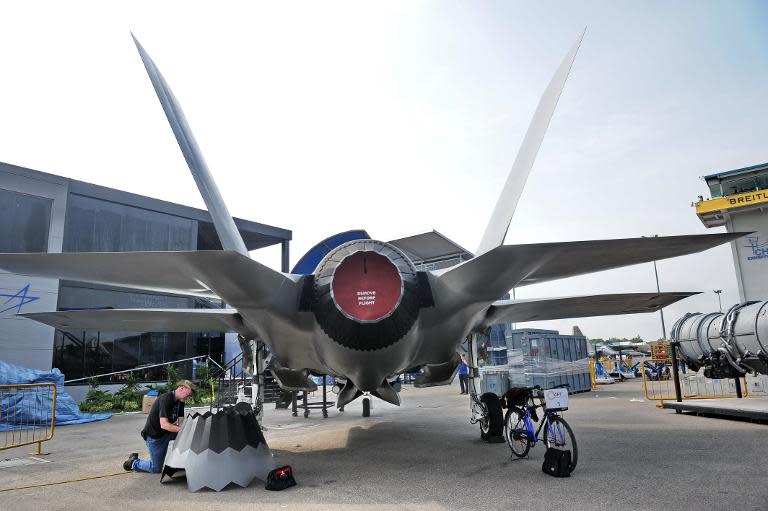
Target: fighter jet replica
366, 313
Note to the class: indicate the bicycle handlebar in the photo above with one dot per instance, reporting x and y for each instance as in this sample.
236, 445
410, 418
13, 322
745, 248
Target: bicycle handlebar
562, 385
537, 391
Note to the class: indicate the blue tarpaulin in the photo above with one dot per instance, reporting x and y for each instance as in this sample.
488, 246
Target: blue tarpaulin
67, 411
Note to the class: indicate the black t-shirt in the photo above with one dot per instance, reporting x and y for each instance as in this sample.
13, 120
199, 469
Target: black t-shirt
164, 406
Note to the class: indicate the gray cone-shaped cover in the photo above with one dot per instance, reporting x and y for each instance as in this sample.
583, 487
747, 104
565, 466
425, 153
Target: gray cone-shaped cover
216, 449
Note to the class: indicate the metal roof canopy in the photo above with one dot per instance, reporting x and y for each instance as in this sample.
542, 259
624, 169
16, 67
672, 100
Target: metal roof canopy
255, 235
737, 172
431, 246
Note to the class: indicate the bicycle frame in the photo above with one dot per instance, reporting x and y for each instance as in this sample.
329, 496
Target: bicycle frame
533, 432
521, 435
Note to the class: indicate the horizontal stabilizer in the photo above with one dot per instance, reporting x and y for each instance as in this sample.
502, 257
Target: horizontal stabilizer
489, 276
540, 309
237, 279
143, 320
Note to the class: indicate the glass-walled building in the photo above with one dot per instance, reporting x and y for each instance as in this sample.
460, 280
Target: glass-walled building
86, 353
41, 212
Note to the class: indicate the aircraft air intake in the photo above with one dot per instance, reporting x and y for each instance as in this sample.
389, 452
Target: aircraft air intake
366, 295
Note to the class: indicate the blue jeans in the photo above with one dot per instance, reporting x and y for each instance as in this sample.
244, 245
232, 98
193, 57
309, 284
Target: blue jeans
157, 448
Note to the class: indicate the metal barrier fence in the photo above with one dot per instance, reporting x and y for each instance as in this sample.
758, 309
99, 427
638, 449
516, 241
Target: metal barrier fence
757, 385
659, 385
27, 414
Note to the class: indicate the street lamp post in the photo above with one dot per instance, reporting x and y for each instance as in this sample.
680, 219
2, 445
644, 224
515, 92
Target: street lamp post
661, 311
658, 290
719, 303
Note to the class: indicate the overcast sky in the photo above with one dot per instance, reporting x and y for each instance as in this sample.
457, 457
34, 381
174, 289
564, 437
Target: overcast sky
400, 117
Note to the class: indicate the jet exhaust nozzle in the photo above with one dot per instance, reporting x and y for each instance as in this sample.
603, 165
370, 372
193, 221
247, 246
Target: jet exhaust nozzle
366, 295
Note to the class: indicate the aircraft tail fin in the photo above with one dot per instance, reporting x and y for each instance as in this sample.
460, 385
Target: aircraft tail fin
498, 225
222, 220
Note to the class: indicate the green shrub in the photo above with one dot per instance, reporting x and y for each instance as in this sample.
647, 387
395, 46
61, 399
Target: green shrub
129, 396
95, 399
204, 382
174, 375
130, 406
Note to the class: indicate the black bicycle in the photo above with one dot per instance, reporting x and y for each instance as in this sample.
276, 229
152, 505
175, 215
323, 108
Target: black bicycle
520, 432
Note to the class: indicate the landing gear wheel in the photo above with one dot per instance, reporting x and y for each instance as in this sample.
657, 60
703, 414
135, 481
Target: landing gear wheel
366, 407
562, 438
492, 423
517, 435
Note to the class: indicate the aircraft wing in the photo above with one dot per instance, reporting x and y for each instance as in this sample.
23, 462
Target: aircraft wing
238, 280
489, 276
143, 320
539, 309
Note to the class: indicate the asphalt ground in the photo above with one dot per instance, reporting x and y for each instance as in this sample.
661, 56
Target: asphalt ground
426, 455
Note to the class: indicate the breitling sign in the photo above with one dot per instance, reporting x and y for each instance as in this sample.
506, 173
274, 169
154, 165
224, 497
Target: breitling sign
747, 198
732, 201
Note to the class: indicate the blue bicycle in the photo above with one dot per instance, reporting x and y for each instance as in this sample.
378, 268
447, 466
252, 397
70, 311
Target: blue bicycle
520, 432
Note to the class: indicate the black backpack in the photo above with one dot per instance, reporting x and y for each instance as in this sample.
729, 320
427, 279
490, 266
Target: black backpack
280, 479
557, 463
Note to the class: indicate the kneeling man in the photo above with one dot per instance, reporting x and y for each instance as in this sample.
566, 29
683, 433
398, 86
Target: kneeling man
164, 421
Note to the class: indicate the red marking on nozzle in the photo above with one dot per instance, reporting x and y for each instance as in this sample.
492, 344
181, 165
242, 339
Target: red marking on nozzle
366, 286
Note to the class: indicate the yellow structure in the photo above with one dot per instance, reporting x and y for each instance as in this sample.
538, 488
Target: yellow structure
739, 202
712, 212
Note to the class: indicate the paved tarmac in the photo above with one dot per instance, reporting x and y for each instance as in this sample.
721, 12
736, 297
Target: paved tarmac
426, 455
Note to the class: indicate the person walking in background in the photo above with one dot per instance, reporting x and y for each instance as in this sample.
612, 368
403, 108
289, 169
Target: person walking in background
463, 376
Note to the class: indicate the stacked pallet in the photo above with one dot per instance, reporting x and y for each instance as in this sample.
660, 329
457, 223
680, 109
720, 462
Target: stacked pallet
530, 357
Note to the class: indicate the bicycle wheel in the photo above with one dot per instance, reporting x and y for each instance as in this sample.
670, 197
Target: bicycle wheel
559, 434
517, 435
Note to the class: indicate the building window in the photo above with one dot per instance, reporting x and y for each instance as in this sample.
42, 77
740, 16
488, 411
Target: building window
24, 222
91, 353
99, 226
83, 354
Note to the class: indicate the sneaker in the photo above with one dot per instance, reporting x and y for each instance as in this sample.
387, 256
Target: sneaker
128, 464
